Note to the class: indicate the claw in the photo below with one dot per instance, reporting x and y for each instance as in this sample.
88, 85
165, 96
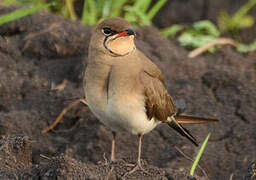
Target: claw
136, 167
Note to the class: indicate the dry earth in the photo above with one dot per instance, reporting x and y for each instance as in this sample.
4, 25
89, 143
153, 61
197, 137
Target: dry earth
39, 52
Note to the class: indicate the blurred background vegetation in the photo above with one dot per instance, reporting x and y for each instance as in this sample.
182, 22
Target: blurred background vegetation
138, 12
142, 12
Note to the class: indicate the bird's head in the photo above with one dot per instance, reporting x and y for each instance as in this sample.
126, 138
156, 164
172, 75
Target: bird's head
113, 36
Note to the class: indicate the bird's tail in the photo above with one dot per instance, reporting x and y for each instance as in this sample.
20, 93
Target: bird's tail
175, 123
185, 119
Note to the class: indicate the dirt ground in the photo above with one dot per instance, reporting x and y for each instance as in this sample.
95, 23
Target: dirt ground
42, 51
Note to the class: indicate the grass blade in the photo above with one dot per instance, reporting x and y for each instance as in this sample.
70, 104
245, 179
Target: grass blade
171, 31
199, 154
8, 2
93, 12
85, 14
244, 48
21, 13
244, 10
106, 8
146, 6
117, 8
206, 26
70, 7
155, 9
90, 13
139, 4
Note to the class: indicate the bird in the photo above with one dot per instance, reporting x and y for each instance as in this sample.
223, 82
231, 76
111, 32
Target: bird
125, 90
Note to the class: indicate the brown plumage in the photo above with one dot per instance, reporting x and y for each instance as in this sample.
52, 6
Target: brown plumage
116, 24
124, 89
158, 103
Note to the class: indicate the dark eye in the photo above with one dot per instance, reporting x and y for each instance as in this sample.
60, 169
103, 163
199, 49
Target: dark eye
107, 31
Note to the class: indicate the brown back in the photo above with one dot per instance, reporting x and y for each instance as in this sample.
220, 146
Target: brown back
158, 102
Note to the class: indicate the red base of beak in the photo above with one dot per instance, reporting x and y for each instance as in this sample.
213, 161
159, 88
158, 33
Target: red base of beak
122, 34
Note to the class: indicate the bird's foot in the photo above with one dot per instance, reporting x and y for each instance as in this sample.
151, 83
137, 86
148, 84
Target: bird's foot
112, 164
136, 167
117, 161
112, 161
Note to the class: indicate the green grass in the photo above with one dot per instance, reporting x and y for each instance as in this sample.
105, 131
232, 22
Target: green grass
245, 48
21, 13
170, 32
239, 20
137, 12
141, 12
199, 155
194, 36
199, 34
202, 32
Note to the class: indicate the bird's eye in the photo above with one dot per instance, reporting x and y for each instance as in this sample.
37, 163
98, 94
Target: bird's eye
107, 31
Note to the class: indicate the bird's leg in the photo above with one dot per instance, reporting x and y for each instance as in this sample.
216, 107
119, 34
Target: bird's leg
139, 151
113, 159
138, 165
61, 115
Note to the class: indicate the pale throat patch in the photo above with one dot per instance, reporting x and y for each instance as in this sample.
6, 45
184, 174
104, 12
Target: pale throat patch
121, 46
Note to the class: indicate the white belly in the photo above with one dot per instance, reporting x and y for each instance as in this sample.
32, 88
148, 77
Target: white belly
131, 119
127, 115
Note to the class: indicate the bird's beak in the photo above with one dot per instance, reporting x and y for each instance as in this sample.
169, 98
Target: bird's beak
127, 32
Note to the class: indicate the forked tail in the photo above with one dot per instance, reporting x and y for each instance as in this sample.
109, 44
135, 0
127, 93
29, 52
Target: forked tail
175, 123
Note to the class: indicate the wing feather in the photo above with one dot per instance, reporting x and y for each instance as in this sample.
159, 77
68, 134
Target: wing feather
158, 102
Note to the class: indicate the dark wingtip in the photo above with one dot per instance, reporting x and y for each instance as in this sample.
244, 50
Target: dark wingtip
195, 143
183, 131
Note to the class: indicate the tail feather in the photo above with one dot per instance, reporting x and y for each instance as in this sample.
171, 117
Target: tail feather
185, 119
181, 130
175, 123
